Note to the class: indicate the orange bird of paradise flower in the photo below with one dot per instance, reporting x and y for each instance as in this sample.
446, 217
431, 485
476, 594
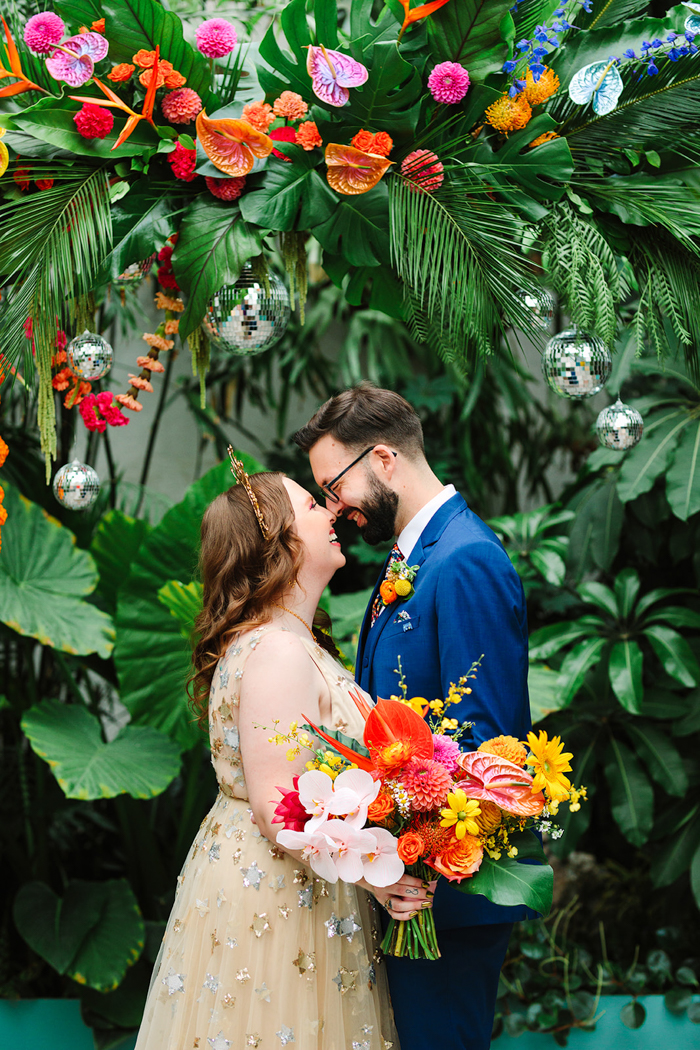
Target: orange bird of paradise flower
116, 103
23, 83
422, 11
232, 145
351, 171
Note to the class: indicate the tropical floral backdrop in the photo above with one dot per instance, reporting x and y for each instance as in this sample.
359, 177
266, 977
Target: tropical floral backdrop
418, 175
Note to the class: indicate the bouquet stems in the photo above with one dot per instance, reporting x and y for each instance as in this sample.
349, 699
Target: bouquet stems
414, 938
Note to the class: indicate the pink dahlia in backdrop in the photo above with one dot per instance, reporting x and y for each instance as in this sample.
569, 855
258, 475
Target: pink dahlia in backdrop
225, 189
448, 82
43, 31
424, 169
216, 37
181, 106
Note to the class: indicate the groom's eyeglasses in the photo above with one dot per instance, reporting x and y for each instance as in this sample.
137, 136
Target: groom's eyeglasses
328, 488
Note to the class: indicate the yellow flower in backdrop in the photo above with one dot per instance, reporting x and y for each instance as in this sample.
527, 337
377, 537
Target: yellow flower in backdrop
4, 154
461, 814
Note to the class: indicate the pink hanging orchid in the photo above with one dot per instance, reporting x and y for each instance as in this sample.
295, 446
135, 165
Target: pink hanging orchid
332, 73
498, 780
73, 61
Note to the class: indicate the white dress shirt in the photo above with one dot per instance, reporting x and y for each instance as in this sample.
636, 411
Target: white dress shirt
410, 534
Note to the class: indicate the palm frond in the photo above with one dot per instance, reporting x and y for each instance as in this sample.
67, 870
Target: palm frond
52, 248
458, 252
644, 199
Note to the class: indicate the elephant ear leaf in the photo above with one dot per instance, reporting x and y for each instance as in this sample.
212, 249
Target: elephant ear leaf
44, 579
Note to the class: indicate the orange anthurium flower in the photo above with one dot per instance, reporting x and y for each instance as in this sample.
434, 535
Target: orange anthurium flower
232, 145
116, 103
352, 171
15, 70
395, 733
422, 11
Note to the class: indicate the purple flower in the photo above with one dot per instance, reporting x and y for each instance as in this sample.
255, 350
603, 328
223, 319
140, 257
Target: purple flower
524, 45
671, 37
74, 60
683, 51
645, 45
629, 53
651, 69
656, 42
689, 36
509, 66
537, 69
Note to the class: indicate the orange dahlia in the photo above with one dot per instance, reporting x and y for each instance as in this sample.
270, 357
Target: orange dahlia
539, 91
290, 105
259, 115
505, 747
427, 782
509, 114
489, 818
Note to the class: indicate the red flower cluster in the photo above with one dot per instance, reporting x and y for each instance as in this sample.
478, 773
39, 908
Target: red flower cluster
378, 142
289, 811
93, 122
283, 134
98, 412
183, 162
225, 189
165, 272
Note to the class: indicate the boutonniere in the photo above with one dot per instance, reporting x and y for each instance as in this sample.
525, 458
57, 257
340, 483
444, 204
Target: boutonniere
398, 585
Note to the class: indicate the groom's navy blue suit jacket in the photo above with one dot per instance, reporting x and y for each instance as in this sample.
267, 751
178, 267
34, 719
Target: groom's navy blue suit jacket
468, 600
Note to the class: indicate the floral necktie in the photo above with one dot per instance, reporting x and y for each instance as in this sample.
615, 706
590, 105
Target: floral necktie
378, 603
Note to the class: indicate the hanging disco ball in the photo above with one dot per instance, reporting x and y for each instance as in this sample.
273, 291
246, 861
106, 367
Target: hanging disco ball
243, 319
89, 356
76, 486
136, 272
619, 426
540, 304
576, 364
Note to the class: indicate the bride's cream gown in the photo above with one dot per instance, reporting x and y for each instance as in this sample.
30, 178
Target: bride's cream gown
259, 952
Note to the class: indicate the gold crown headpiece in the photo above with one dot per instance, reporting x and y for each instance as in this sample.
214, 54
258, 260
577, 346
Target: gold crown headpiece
241, 475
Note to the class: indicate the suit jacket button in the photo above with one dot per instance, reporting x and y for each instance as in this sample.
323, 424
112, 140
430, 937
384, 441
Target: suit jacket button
365, 662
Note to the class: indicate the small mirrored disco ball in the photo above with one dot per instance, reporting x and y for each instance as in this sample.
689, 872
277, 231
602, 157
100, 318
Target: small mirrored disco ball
576, 364
540, 304
89, 356
76, 485
136, 272
619, 426
243, 319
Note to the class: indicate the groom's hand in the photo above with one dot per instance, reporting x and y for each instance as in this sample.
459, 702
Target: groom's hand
405, 898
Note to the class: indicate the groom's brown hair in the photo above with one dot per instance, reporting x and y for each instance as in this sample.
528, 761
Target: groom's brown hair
365, 415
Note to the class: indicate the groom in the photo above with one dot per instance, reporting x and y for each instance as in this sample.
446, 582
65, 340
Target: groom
366, 452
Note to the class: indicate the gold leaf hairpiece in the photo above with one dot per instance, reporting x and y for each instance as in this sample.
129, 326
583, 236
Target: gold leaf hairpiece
241, 475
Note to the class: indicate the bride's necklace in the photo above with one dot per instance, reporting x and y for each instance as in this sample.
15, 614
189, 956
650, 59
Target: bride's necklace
292, 613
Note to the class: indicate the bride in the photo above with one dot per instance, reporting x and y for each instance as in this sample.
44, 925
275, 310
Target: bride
259, 952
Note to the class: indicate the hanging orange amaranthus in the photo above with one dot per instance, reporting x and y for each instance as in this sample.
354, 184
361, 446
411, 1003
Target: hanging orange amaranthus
157, 342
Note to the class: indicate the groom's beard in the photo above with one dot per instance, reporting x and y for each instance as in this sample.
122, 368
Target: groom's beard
379, 509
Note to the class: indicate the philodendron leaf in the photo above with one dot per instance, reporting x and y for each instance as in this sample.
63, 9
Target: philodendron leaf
625, 669
632, 796
140, 761
92, 934
43, 580
675, 654
510, 882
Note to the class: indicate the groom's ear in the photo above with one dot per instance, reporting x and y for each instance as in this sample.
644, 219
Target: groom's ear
385, 461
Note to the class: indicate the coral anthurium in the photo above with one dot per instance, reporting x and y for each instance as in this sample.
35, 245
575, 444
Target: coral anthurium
22, 83
495, 779
351, 171
232, 145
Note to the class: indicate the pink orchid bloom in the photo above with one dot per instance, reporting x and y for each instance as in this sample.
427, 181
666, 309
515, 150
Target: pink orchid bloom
382, 865
315, 851
320, 800
74, 59
348, 845
332, 73
498, 780
362, 788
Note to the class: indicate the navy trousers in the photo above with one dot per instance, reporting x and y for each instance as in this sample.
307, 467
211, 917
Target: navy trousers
449, 1003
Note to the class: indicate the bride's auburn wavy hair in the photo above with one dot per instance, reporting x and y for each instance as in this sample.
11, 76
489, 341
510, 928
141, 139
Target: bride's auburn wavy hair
243, 574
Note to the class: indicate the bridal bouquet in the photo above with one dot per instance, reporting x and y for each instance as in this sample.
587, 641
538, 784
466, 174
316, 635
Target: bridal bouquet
410, 800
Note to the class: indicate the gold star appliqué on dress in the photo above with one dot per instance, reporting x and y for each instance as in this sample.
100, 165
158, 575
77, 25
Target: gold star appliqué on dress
260, 924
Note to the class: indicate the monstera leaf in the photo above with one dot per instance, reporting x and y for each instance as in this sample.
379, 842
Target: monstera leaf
43, 580
469, 32
93, 933
358, 229
151, 654
140, 761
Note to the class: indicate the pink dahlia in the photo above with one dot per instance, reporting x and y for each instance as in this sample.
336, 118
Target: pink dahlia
181, 106
216, 37
225, 189
43, 31
93, 122
423, 167
448, 82
446, 751
427, 782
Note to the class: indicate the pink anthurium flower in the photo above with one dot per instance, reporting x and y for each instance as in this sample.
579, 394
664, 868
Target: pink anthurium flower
74, 59
332, 73
348, 845
498, 780
382, 865
315, 850
362, 788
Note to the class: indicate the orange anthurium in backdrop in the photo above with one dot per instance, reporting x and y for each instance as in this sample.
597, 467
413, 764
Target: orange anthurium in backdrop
232, 145
351, 171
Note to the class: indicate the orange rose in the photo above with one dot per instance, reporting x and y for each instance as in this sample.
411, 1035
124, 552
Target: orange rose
174, 79
411, 847
363, 140
144, 59
381, 808
383, 144
121, 72
460, 859
388, 592
98, 26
